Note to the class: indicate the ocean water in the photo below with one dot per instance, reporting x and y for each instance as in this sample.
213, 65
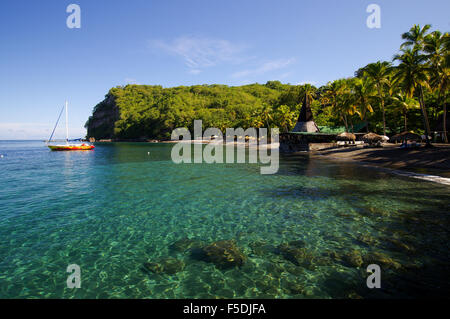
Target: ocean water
114, 209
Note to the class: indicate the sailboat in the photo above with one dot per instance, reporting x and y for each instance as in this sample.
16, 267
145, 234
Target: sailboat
67, 146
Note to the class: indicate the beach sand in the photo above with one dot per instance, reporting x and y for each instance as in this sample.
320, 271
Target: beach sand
435, 160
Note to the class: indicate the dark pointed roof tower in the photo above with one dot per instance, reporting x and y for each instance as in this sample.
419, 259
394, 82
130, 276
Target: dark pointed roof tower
305, 122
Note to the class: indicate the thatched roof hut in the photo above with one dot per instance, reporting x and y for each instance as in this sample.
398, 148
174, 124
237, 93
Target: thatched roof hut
405, 136
346, 137
372, 138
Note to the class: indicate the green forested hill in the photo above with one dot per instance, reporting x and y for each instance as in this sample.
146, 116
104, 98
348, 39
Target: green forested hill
410, 93
151, 111
144, 111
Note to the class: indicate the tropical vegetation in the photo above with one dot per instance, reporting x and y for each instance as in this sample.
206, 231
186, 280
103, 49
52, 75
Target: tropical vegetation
388, 97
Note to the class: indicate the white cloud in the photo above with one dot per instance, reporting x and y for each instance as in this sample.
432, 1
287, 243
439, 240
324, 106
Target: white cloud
195, 71
199, 53
265, 67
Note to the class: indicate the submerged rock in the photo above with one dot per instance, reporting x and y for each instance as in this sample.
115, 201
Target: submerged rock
297, 243
378, 211
294, 288
398, 245
367, 239
382, 260
185, 244
223, 254
273, 269
295, 270
333, 255
167, 266
299, 256
353, 258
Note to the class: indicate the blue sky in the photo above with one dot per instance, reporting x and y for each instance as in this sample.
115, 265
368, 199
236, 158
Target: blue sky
171, 43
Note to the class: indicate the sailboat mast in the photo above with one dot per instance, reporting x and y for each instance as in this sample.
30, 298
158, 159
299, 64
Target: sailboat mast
67, 125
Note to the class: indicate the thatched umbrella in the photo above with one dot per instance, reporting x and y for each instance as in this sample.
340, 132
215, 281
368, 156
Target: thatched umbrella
405, 136
372, 138
346, 137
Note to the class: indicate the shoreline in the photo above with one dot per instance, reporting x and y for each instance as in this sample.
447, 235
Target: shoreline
415, 162
431, 164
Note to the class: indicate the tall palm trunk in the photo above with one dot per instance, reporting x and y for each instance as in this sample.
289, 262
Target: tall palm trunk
382, 107
425, 115
364, 118
445, 119
344, 117
406, 126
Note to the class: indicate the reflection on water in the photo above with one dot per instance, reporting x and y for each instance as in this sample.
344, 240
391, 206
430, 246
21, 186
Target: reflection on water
140, 226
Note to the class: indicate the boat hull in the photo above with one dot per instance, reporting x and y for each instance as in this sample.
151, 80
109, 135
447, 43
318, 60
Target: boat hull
71, 147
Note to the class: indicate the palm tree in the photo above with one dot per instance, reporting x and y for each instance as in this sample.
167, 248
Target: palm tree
347, 106
404, 104
331, 95
266, 115
285, 118
414, 37
412, 75
363, 95
337, 94
309, 93
436, 51
379, 73
446, 41
332, 91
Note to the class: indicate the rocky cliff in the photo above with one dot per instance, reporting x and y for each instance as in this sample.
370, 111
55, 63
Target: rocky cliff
101, 123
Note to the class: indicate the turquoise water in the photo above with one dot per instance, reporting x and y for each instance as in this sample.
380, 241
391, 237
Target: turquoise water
116, 208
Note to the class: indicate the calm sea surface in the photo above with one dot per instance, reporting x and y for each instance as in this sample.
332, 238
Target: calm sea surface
114, 209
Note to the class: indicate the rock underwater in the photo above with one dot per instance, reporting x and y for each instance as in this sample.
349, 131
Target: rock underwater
223, 253
295, 252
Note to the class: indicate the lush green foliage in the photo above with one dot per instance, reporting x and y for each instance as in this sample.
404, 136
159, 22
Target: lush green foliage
410, 92
152, 111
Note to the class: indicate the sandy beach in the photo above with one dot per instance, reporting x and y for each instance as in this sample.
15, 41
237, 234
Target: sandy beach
435, 159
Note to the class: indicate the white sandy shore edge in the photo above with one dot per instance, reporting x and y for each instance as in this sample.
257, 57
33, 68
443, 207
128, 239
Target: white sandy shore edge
426, 177
431, 178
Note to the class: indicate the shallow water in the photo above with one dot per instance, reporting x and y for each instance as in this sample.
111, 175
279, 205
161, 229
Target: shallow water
115, 208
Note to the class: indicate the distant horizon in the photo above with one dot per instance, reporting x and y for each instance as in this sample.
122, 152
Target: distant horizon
44, 62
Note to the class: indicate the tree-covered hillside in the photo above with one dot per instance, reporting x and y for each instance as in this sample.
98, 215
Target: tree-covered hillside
409, 93
145, 111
